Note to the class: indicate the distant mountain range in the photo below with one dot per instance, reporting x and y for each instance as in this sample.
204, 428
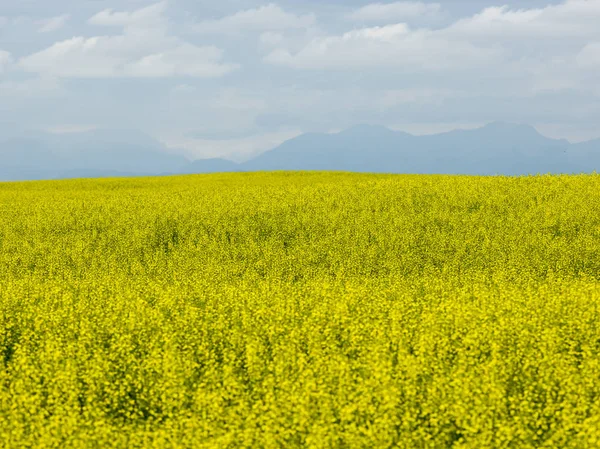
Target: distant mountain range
497, 148
87, 154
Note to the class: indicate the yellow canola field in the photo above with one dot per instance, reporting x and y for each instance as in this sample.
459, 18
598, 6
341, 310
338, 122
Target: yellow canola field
325, 310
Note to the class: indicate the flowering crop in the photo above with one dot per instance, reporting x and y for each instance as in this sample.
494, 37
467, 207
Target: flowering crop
301, 310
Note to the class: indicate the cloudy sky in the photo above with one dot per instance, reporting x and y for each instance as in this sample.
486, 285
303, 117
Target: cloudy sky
235, 77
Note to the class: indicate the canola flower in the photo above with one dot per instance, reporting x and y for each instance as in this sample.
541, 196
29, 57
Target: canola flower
325, 310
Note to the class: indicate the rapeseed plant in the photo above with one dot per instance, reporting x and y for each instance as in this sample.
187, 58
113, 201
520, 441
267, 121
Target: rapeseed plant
301, 310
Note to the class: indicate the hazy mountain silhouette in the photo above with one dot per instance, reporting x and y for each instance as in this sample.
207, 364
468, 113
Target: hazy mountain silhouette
360, 148
215, 165
96, 153
497, 148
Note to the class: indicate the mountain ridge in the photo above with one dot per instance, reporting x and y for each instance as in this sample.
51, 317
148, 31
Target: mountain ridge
495, 148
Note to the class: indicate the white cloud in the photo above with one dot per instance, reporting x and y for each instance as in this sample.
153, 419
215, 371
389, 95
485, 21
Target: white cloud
268, 17
235, 149
397, 11
589, 56
270, 39
53, 23
5, 60
124, 56
572, 18
492, 38
388, 63
181, 60
387, 46
3, 21
145, 18
144, 49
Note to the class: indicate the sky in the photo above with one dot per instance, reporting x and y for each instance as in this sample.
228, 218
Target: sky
234, 78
